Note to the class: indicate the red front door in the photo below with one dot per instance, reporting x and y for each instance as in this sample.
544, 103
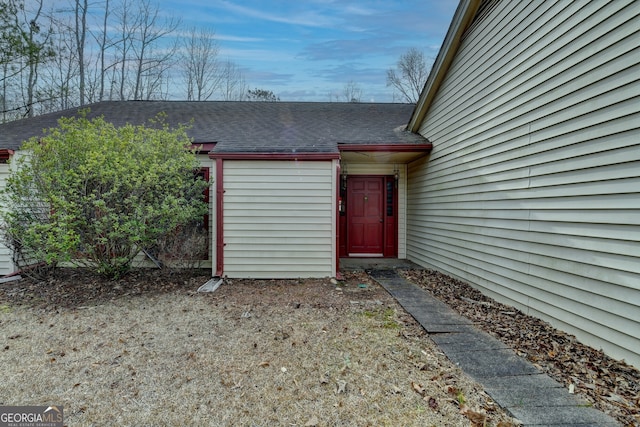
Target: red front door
365, 215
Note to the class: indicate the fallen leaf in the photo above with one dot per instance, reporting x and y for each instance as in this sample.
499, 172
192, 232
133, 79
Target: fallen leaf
476, 418
313, 422
433, 404
341, 386
505, 424
417, 388
263, 364
616, 398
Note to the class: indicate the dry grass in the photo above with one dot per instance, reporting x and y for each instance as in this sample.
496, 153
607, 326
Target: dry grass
250, 354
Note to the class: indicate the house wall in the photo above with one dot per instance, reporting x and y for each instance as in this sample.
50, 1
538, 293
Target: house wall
389, 169
532, 190
6, 264
279, 218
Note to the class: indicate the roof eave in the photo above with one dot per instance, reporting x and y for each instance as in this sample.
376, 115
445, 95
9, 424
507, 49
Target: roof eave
5, 154
274, 156
203, 147
461, 19
392, 148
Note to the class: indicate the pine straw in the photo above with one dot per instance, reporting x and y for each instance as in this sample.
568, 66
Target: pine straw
253, 353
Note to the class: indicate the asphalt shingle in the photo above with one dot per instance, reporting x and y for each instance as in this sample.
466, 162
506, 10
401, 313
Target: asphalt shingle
248, 127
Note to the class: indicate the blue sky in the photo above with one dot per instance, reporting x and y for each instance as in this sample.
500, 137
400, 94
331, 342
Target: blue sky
306, 50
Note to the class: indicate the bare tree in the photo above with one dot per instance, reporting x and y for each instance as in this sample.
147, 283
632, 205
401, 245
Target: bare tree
59, 75
105, 49
200, 61
154, 78
336, 95
126, 25
81, 36
149, 59
232, 85
352, 92
410, 76
102, 46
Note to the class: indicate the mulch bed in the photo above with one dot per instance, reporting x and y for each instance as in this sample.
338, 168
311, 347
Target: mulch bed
70, 288
611, 385
78, 287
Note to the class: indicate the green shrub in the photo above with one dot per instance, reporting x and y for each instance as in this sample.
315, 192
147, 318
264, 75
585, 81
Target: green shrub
93, 194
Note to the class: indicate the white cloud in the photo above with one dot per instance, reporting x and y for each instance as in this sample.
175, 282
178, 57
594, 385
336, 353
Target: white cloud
307, 18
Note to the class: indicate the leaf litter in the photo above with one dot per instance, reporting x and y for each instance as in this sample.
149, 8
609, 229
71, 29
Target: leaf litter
610, 385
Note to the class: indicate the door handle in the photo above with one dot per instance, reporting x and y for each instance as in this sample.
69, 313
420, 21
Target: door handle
381, 220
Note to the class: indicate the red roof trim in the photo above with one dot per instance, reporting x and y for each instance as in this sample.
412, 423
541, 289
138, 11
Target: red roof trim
219, 267
5, 154
337, 223
393, 148
275, 156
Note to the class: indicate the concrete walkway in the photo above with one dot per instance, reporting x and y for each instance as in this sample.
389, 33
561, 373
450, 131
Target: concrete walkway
515, 384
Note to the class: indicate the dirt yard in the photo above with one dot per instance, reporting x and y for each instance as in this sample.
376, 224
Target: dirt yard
149, 351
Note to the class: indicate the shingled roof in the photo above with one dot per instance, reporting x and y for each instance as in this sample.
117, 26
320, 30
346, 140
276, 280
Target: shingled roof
248, 127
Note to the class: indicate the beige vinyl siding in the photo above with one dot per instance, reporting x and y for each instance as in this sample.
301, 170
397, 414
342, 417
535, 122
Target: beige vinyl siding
6, 263
532, 191
279, 218
389, 169
36, 206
